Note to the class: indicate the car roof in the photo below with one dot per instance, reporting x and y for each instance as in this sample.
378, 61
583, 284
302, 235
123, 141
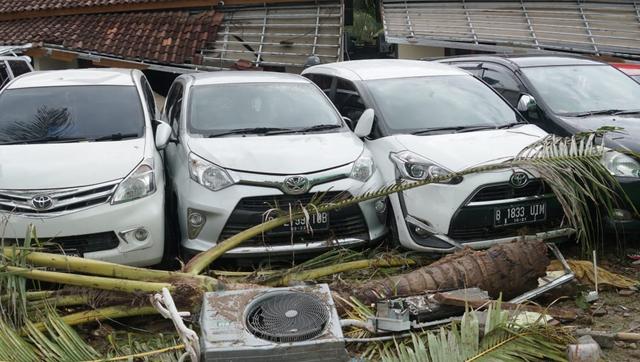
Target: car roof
235, 77
372, 69
525, 61
74, 77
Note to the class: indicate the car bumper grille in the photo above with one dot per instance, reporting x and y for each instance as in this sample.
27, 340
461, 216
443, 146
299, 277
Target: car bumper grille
505, 191
77, 243
474, 221
347, 222
62, 200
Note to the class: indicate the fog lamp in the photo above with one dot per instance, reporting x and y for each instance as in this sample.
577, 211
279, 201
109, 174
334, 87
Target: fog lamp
620, 214
195, 221
381, 206
141, 234
421, 232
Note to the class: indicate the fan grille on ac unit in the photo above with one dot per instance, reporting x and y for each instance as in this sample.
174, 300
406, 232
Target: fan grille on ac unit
287, 317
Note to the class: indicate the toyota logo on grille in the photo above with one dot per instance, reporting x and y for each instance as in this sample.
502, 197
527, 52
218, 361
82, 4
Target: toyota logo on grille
296, 185
42, 202
519, 179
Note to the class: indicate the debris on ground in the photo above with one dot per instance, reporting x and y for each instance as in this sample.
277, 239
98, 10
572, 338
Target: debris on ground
583, 270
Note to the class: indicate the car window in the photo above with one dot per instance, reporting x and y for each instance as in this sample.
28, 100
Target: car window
420, 103
348, 101
584, 88
173, 107
19, 67
4, 74
148, 97
322, 81
504, 81
85, 112
474, 68
224, 107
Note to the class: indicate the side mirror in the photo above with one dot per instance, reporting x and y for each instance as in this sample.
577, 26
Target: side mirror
365, 123
526, 103
163, 133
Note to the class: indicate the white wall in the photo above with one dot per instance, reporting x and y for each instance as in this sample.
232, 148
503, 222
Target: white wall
45, 63
406, 51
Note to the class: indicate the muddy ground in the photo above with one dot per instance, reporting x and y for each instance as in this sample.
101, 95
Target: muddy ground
614, 311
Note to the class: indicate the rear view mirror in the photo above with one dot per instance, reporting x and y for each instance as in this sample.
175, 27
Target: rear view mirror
526, 103
163, 132
365, 123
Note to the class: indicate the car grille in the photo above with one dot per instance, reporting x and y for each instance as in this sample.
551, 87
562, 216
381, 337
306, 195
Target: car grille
62, 200
468, 234
504, 191
347, 222
78, 243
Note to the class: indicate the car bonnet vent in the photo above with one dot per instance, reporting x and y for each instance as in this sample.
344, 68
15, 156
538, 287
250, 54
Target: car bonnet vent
287, 316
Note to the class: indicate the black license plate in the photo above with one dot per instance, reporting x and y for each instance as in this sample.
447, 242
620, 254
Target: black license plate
317, 222
520, 214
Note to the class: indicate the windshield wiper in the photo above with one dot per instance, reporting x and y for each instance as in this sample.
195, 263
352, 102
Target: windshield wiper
318, 127
458, 129
255, 130
49, 139
600, 112
511, 125
630, 111
116, 137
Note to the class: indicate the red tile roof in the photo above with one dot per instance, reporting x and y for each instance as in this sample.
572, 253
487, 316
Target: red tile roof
14, 6
166, 37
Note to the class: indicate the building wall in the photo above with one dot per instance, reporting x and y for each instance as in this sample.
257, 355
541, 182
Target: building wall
406, 51
46, 63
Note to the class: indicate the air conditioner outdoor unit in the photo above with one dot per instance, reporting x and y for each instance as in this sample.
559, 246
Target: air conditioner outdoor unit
280, 324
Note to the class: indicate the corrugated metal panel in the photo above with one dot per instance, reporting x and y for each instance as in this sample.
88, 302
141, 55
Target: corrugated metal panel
274, 35
598, 27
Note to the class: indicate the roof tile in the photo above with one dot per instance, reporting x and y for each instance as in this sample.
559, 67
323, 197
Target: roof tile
18, 6
129, 35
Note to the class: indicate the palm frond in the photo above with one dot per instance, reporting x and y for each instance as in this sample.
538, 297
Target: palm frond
502, 341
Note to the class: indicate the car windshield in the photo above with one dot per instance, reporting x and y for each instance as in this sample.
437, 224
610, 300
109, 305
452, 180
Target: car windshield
410, 105
221, 108
53, 114
584, 88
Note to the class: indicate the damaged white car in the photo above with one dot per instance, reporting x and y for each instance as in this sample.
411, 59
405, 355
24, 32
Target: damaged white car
78, 161
242, 143
431, 120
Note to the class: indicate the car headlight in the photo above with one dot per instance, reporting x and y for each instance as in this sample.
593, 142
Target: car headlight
207, 174
416, 167
363, 168
620, 164
140, 183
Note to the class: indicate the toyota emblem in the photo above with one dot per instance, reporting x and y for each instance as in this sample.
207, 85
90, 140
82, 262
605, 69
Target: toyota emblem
295, 185
42, 202
519, 179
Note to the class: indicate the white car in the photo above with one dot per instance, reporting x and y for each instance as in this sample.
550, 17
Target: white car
243, 143
432, 119
79, 162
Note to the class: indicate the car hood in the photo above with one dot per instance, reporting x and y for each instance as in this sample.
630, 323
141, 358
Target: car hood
628, 137
283, 154
62, 165
458, 151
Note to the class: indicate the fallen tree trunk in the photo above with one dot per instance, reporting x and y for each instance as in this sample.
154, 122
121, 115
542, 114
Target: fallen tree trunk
507, 269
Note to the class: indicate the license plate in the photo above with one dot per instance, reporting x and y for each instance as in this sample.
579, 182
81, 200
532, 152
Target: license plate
317, 221
520, 214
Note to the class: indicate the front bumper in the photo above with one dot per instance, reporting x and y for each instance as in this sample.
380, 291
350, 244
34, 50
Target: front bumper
459, 218
235, 208
114, 223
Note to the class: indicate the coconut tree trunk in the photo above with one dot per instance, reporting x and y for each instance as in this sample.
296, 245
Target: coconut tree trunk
507, 269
